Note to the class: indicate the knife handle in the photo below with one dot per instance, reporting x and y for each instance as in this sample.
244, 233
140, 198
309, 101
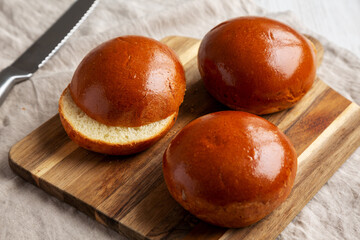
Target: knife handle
8, 78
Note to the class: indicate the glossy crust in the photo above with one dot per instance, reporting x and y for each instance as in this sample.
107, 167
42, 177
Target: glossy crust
230, 168
105, 147
256, 64
129, 81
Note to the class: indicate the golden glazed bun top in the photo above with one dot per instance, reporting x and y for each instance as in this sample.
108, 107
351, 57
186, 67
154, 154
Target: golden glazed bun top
129, 81
256, 64
230, 168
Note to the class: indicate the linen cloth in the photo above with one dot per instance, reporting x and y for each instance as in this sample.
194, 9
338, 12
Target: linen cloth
29, 213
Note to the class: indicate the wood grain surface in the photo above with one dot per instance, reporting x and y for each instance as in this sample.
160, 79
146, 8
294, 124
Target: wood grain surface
128, 194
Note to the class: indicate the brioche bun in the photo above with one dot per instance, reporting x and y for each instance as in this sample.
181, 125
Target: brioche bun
129, 81
124, 96
230, 168
256, 64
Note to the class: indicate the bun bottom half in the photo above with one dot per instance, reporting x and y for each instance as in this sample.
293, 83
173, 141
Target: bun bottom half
112, 140
231, 215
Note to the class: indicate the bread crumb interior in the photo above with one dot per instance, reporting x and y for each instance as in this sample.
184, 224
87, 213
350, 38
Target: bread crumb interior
111, 134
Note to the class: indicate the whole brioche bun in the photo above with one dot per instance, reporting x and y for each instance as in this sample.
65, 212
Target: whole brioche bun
230, 168
124, 96
129, 81
256, 64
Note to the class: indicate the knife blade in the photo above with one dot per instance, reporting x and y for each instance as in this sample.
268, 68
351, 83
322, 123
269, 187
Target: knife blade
45, 47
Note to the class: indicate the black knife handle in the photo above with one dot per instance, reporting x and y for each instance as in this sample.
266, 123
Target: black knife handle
8, 78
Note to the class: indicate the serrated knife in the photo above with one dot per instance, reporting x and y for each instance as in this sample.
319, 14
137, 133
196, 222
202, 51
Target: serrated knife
45, 47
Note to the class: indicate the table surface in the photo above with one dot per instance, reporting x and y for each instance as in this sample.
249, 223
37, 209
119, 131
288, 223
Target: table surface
24, 21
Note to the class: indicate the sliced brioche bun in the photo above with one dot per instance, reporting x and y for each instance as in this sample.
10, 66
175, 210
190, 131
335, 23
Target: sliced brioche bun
124, 96
92, 135
256, 64
230, 168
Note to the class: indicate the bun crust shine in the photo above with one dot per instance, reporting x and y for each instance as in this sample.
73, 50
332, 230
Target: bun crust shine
256, 64
129, 81
230, 168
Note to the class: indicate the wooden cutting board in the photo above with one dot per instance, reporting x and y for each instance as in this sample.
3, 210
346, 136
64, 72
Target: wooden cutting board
129, 195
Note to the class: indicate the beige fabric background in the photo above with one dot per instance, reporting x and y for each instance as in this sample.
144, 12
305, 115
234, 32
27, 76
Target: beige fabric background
29, 213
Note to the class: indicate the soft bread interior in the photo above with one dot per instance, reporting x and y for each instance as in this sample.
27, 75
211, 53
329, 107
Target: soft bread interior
110, 134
